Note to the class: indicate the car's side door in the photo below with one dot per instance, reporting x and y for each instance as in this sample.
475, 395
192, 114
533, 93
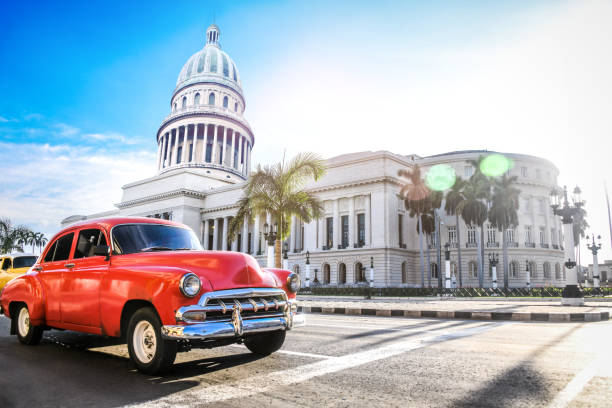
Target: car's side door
81, 284
52, 267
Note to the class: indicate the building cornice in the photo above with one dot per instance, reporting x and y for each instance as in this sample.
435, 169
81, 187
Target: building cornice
202, 112
219, 208
384, 179
183, 192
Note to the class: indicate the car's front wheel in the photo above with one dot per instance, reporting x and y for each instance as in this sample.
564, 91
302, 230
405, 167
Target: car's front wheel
266, 343
26, 332
149, 351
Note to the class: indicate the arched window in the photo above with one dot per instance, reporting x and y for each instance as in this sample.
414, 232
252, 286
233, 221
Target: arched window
434, 270
557, 271
359, 273
211, 99
326, 274
236, 107
404, 273
225, 101
196, 99
514, 269
184, 104
472, 269
342, 274
546, 269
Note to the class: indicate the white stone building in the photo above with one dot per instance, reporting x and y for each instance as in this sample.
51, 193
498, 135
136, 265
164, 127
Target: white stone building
204, 157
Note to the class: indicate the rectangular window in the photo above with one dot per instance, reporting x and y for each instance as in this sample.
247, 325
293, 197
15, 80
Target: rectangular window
361, 229
249, 245
468, 171
491, 235
191, 152
471, 236
345, 230
209, 146
330, 232
452, 235
542, 235
510, 235
400, 229
60, 251
86, 242
528, 235
179, 154
239, 243
523, 171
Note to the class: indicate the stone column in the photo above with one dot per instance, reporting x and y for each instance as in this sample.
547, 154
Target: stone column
241, 142
233, 149
205, 241
367, 220
248, 162
352, 220
245, 236
224, 148
172, 137
255, 237
160, 145
185, 144
336, 224
214, 146
216, 235
224, 234
292, 235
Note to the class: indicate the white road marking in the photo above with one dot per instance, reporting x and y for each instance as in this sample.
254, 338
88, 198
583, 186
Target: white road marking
292, 353
573, 388
260, 384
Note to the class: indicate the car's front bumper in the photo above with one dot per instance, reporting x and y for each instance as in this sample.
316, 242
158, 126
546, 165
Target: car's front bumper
235, 313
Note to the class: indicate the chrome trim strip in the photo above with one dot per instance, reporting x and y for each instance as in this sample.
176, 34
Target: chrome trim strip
241, 293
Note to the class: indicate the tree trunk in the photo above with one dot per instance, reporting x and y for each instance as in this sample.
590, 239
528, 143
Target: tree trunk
479, 238
438, 248
428, 265
505, 256
459, 251
421, 251
277, 254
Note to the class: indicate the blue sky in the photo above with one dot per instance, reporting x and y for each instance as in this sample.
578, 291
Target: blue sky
84, 86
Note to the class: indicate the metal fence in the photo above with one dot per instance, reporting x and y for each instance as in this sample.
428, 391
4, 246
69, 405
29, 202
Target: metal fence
457, 292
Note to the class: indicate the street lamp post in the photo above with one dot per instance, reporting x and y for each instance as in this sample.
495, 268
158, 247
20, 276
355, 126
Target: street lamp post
572, 294
594, 248
307, 283
285, 256
493, 260
270, 237
447, 281
528, 272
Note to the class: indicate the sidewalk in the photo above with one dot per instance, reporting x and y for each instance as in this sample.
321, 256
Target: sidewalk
521, 309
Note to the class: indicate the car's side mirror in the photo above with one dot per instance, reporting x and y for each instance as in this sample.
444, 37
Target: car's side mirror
102, 250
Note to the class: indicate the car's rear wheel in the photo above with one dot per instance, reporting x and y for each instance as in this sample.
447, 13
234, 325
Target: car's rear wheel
149, 351
266, 343
26, 332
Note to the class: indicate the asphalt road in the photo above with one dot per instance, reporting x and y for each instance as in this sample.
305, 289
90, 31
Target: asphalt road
336, 361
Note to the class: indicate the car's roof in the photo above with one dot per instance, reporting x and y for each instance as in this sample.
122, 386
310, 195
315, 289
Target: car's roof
16, 255
112, 221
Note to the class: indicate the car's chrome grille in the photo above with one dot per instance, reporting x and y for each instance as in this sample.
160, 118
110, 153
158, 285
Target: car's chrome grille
251, 303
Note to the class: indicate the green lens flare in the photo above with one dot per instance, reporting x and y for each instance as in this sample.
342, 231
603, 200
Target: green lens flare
495, 165
440, 177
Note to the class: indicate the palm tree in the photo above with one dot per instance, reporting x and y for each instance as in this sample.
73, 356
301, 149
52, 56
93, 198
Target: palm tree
474, 212
414, 193
483, 182
12, 237
503, 212
453, 198
428, 223
276, 190
43, 241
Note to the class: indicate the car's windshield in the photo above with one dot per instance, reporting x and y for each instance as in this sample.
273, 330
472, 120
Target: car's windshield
24, 261
131, 238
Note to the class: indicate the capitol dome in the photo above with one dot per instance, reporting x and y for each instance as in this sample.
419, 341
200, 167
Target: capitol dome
210, 64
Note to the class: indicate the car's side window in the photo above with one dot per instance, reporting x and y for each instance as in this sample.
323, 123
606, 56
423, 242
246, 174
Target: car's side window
6, 264
50, 253
62, 251
88, 239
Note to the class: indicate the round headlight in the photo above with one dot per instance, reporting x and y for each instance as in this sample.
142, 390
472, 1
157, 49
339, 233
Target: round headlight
190, 285
293, 282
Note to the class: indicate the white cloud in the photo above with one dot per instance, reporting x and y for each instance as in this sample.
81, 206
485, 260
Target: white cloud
67, 130
42, 183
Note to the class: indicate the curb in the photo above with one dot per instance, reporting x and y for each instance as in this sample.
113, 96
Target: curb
473, 315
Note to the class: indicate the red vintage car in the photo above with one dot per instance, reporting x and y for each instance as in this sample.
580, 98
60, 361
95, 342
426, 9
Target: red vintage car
149, 281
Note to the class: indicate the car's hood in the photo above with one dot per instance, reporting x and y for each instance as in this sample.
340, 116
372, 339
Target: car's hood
222, 269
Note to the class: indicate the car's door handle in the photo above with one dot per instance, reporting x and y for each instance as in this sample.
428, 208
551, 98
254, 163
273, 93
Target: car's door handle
69, 265
37, 268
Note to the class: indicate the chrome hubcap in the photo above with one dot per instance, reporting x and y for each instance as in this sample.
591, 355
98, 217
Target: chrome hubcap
23, 322
144, 341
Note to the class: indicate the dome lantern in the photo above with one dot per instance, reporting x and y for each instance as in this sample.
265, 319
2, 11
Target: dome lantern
212, 35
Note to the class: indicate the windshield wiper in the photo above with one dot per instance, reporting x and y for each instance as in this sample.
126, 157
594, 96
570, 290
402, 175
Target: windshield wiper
155, 248
183, 249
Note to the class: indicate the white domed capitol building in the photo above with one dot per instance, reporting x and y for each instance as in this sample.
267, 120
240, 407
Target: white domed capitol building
204, 158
